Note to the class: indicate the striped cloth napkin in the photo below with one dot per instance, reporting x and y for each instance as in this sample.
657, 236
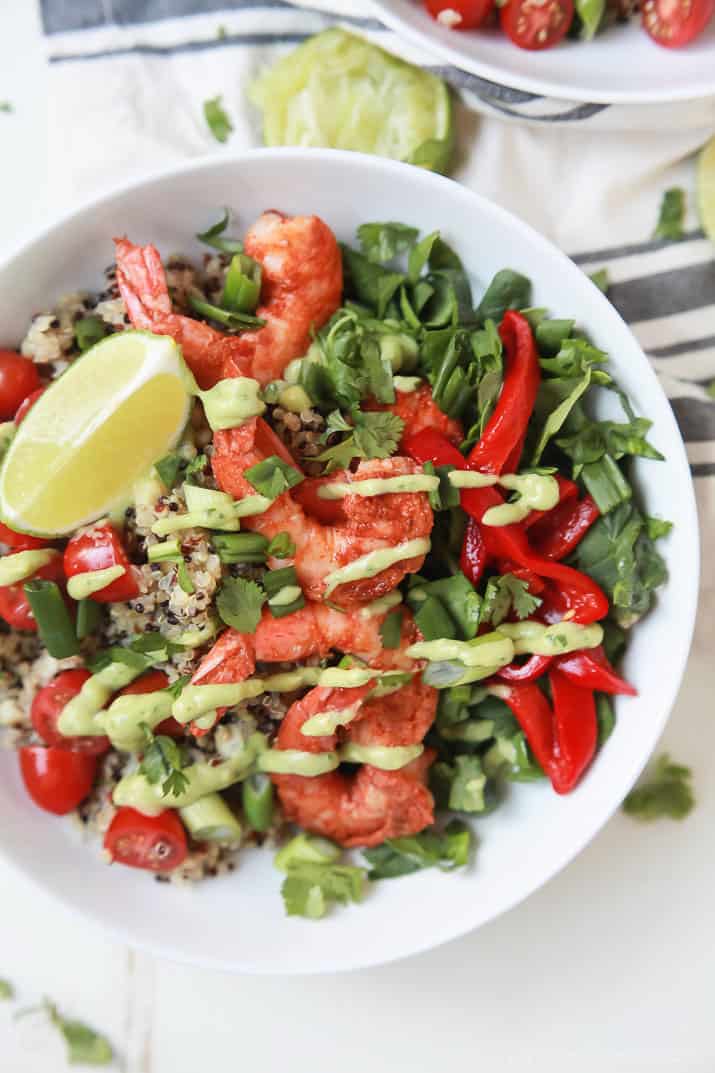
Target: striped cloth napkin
134, 73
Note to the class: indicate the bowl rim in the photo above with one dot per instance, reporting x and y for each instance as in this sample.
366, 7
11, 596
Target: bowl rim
385, 10
688, 597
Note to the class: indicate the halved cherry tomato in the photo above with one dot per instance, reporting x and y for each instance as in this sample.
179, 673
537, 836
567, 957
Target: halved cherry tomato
150, 683
536, 24
20, 541
47, 708
25, 406
326, 511
459, 14
99, 549
14, 605
57, 780
673, 23
157, 843
18, 379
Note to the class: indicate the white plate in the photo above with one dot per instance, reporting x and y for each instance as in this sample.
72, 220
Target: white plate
237, 922
620, 66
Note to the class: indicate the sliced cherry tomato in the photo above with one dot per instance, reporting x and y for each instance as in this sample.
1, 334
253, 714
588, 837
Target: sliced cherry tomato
20, 541
14, 605
674, 23
18, 379
47, 708
326, 511
536, 24
150, 683
99, 549
157, 843
57, 780
459, 14
25, 406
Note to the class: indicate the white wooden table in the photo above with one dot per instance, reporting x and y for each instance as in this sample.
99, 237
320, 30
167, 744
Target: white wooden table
610, 967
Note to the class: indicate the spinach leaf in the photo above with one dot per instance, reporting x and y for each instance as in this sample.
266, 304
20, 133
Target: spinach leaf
508, 290
381, 242
370, 283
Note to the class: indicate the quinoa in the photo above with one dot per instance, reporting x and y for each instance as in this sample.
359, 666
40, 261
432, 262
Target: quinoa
302, 434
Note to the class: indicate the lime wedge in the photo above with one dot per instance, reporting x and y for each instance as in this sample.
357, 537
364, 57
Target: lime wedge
338, 90
95, 431
706, 189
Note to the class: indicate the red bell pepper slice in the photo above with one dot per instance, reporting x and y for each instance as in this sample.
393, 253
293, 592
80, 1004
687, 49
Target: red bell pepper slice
568, 490
534, 715
533, 582
591, 670
575, 732
473, 559
502, 441
528, 671
556, 534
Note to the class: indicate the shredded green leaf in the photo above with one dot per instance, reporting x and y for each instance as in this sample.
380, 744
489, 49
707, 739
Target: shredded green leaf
460, 785
217, 118
672, 215
666, 792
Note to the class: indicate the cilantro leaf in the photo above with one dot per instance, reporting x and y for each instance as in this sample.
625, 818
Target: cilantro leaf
375, 434
308, 889
429, 849
214, 236
657, 527
460, 785
196, 465
217, 119
671, 215
162, 762
281, 547
381, 242
273, 476
618, 553
84, 1045
668, 792
504, 594
239, 604
7, 991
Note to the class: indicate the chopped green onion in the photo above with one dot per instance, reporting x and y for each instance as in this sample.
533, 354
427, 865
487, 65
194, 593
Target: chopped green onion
281, 547
183, 576
240, 547
235, 321
391, 629
273, 476
164, 551
88, 331
211, 820
258, 803
54, 623
274, 581
217, 119
89, 614
242, 288
433, 621
214, 237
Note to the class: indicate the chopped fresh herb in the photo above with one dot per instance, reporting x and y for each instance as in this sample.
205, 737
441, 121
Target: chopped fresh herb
239, 604
242, 288
153, 644
374, 435
238, 322
169, 468
667, 792
568, 391
369, 282
381, 242
218, 121
505, 594
215, 238
88, 331
162, 762
175, 688
620, 556
657, 527
402, 856
446, 495
7, 991
84, 1045
606, 717
131, 657
391, 629
196, 465
600, 278
460, 785
672, 215
89, 615
273, 476
183, 576
308, 889
281, 547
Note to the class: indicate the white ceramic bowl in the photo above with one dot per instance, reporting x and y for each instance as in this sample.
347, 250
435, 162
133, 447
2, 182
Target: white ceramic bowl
237, 922
621, 66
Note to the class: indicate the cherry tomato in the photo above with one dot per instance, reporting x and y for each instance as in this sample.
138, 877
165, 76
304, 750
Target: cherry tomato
150, 683
157, 843
47, 708
57, 780
536, 24
25, 406
99, 549
14, 605
673, 23
20, 541
18, 379
459, 14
